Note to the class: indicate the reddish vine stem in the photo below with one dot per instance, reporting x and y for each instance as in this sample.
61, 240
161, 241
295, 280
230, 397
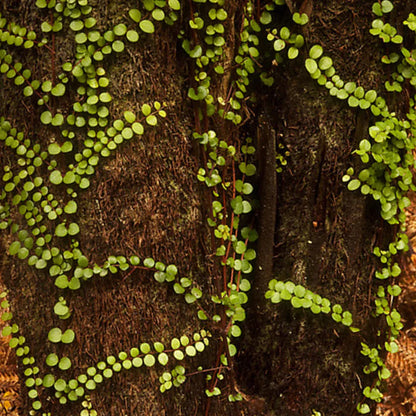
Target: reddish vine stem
53, 52
207, 370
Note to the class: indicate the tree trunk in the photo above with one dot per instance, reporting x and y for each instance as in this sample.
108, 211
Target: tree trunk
145, 200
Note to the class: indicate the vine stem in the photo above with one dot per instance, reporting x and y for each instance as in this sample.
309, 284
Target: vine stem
53, 52
206, 370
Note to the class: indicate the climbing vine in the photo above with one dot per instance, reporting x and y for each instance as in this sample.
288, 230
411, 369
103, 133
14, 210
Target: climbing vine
389, 153
40, 188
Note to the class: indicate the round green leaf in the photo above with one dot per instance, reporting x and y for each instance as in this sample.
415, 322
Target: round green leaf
354, 184
353, 101
61, 230
175, 343
76, 25
311, 65
90, 385
120, 29
147, 26
279, 45
71, 207
325, 63
105, 97
58, 90
137, 362
135, 15
55, 335
386, 6
14, 248
73, 229
293, 52
151, 120
148, 262
61, 282
190, 351
23, 253
55, 177
84, 184
118, 46
179, 355
132, 36
64, 363
174, 4
370, 96
46, 117
145, 348
265, 18
60, 309
48, 380
315, 52
68, 336
163, 358
158, 14
149, 360
52, 360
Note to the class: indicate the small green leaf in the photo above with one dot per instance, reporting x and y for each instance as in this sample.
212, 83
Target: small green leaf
120, 29
148, 262
265, 18
386, 6
146, 109
61, 230
117, 46
279, 45
46, 117
300, 19
353, 102
311, 65
76, 25
163, 358
91, 385
354, 184
105, 97
48, 380
147, 26
135, 15
64, 363
365, 145
73, 229
315, 52
71, 207
55, 335
68, 336
55, 177
158, 14
151, 120
363, 408
179, 355
14, 248
58, 90
84, 184
292, 53
325, 63
174, 4
149, 360
52, 360
190, 351
395, 270
132, 36
138, 128
129, 116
